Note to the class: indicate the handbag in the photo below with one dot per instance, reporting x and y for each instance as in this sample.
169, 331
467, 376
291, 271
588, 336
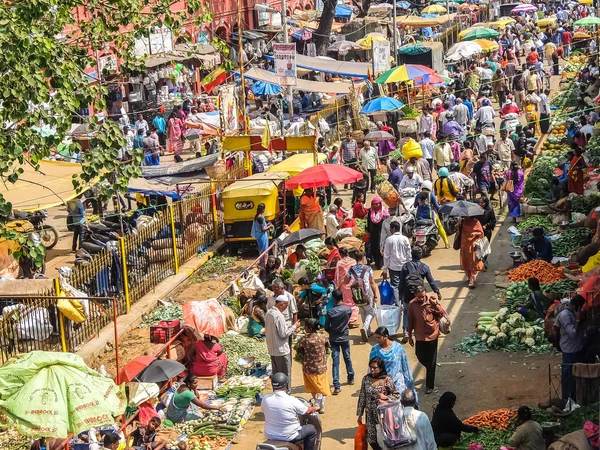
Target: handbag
445, 323
508, 186
457, 240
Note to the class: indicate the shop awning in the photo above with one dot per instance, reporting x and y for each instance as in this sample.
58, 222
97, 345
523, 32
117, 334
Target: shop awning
186, 167
167, 185
185, 52
248, 35
341, 87
254, 143
421, 22
51, 186
341, 68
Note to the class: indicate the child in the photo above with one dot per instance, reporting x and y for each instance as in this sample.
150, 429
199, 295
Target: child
334, 156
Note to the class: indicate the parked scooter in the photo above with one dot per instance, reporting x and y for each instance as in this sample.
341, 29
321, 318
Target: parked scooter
426, 236
312, 419
48, 234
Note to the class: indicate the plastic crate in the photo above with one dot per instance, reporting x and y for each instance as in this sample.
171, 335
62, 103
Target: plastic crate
164, 331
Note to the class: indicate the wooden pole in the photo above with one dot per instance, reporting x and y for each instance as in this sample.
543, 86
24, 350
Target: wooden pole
241, 63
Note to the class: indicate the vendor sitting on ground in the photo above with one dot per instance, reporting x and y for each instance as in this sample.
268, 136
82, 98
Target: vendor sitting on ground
256, 321
271, 271
311, 214
539, 247
209, 359
312, 300
144, 438
529, 435
298, 254
447, 428
537, 303
185, 405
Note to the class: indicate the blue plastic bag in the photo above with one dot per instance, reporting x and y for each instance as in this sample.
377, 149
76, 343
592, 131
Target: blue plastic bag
386, 293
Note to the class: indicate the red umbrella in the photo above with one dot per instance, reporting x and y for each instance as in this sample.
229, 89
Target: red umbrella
322, 175
133, 368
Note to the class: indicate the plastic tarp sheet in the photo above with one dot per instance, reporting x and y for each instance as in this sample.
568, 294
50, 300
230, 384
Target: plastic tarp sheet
421, 22
208, 317
167, 185
343, 11
303, 85
342, 68
51, 186
186, 167
55, 394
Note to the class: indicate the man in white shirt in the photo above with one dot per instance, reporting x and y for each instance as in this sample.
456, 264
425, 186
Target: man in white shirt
417, 422
504, 148
442, 154
278, 334
281, 412
427, 148
291, 313
141, 124
396, 252
485, 115
368, 159
410, 179
544, 111
331, 223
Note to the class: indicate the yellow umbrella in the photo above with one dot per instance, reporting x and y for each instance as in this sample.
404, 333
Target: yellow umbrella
464, 32
503, 21
367, 42
434, 9
487, 45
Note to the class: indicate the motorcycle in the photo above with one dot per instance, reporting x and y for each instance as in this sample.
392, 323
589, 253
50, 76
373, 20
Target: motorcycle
305, 419
425, 235
510, 122
48, 234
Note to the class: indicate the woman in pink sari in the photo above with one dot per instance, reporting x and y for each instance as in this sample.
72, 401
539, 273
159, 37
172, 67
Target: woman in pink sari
174, 134
341, 270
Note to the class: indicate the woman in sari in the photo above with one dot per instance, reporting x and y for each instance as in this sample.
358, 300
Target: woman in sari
395, 359
470, 231
260, 232
256, 321
439, 108
341, 270
185, 405
514, 198
576, 172
174, 134
377, 214
311, 214
209, 358
334, 253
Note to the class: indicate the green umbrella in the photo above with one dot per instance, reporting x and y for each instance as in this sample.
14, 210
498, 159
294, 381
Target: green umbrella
48, 394
480, 33
588, 22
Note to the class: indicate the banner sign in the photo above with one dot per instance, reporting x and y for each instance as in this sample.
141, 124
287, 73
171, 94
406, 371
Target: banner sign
285, 63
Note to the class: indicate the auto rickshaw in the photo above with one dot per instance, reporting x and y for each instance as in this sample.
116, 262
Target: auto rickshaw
241, 198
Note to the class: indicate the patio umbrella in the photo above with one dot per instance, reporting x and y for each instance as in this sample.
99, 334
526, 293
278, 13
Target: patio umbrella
461, 208
487, 45
407, 72
379, 136
589, 21
300, 236
382, 104
434, 9
50, 394
133, 368
161, 370
463, 50
323, 175
524, 8
343, 46
480, 33
366, 43
264, 88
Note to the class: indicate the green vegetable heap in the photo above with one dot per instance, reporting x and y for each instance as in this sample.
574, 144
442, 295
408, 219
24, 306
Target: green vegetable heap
532, 222
237, 346
585, 203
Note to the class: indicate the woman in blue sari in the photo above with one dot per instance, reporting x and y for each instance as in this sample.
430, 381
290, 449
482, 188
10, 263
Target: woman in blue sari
394, 357
260, 232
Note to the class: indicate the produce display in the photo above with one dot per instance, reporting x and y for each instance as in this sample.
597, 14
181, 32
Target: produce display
12, 440
494, 419
571, 241
518, 292
240, 387
504, 331
489, 439
592, 150
237, 346
217, 265
542, 270
585, 203
536, 222
164, 312
408, 112
566, 98
538, 182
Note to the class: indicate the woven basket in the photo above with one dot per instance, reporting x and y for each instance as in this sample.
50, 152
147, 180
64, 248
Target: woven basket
389, 194
217, 171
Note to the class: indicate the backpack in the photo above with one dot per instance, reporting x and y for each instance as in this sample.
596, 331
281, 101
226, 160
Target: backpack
360, 295
413, 280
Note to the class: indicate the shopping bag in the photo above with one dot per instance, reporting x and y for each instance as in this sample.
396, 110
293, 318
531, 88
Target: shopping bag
386, 293
360, 437
388, 316
508, 186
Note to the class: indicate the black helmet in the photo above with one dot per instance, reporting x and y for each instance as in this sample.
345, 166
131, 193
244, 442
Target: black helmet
454, 167
279, 380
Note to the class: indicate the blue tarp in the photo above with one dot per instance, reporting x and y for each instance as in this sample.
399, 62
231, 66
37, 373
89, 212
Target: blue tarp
344, 12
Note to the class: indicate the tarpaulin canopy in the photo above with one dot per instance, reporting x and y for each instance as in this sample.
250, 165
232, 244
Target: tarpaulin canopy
186, 167
254, 143
205, 124
51, 186
304, 85
55, 394
342, 68
343, 11
421, 22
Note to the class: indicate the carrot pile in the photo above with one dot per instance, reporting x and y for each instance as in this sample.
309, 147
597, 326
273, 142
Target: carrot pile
493, 419
543, 271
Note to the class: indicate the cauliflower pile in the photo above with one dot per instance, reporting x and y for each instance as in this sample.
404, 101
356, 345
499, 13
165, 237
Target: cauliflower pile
512, 332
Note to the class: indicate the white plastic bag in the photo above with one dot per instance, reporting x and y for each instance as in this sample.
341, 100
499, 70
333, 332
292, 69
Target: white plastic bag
482, 248
299, 270
388, 316
251, 282
241, 325
324, 126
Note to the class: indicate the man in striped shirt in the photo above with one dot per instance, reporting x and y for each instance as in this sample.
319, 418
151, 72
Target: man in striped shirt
278, 334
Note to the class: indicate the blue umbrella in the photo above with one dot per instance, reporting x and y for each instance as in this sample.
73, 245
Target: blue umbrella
381, 104
264, 88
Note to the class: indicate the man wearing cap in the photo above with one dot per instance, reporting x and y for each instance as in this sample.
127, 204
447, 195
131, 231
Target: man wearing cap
278, 334
410, 179
485, 115
452, 128
461, 113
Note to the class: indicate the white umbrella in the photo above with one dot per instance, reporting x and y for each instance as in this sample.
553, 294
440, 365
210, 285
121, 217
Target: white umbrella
463, 50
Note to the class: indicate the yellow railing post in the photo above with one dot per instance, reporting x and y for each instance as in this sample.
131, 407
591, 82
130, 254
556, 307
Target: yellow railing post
213, 197
125, 277
175, 256
61, 320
